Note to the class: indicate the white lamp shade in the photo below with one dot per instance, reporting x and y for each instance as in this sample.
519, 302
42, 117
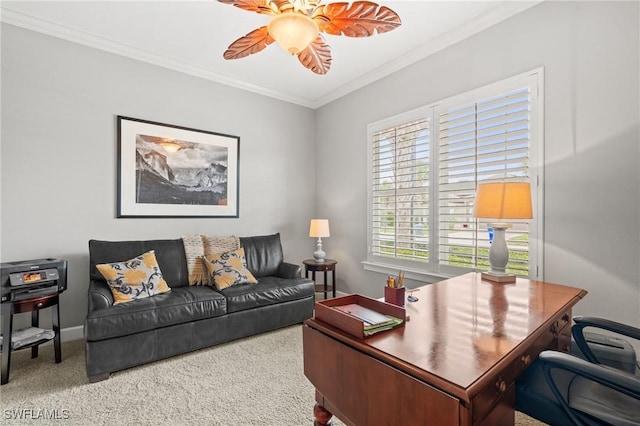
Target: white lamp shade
503, 200
293, 31
319, 228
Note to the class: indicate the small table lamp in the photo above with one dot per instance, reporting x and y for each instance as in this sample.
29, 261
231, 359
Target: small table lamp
502, 200
319, 228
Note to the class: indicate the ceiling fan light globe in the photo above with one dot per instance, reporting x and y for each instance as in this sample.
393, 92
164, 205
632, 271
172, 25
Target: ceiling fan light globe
293, 31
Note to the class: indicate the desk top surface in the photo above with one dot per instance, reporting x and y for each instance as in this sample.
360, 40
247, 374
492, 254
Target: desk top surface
461, 327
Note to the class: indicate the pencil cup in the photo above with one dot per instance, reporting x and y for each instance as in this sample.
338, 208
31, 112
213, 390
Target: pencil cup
394, 295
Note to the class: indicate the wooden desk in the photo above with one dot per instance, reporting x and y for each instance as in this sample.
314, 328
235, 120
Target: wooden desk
454, 362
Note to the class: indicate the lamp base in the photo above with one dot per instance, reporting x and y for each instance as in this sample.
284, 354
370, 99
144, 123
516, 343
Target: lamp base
498, 278
319, 254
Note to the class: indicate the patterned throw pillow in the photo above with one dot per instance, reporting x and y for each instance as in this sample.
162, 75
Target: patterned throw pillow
197, 246
229, 268
135, 278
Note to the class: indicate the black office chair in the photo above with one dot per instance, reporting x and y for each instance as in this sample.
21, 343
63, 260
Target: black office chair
562, 389
606, 349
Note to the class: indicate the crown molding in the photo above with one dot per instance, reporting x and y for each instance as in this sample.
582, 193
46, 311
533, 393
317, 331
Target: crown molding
488, 19
505, 10
80, 37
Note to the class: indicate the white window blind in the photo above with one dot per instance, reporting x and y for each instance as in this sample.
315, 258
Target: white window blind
486, 140
425, 165
400, 195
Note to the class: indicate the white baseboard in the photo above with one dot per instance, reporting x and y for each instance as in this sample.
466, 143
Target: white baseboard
72, 333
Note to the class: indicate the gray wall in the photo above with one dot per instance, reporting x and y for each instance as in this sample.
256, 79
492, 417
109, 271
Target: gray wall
590, 54
59, 102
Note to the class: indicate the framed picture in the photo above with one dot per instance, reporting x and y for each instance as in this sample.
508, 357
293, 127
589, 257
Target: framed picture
173, 171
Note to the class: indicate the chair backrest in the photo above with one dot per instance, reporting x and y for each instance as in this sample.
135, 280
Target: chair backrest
562, 389
606, 349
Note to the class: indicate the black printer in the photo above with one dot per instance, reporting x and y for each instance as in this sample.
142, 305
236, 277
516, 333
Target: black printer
26, 279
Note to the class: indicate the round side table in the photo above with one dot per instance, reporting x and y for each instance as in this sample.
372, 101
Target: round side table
33, 305
328, 265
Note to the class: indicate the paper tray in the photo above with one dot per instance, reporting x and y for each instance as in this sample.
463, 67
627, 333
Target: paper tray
324, 312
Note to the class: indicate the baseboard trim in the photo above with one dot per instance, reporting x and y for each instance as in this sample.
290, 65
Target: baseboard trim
72, 333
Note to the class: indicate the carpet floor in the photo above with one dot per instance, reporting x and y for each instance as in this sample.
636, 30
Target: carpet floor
257, 380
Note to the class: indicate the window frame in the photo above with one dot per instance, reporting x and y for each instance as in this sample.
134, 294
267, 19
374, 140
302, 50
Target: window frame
432, 270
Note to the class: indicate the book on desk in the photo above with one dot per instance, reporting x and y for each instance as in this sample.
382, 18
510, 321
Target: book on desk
373, 320
359, 315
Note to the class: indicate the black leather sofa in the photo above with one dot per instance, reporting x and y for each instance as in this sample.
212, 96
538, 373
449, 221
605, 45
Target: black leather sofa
188, 317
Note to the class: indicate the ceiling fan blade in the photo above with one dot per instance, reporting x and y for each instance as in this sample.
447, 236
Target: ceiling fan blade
249, 44
317, 56
361, 19
264, 7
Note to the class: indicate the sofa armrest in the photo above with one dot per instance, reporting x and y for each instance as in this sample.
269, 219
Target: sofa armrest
100, 295
289, 270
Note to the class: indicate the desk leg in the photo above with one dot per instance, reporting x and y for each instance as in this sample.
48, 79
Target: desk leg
7, 324
55, 319
322, 415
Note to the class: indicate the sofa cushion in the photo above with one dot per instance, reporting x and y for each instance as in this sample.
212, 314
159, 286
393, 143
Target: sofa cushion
268, 291
228, 269
135, 278
181, 305
263, 254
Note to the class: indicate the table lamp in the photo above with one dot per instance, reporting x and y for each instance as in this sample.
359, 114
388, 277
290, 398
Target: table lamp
502, 200
319, 228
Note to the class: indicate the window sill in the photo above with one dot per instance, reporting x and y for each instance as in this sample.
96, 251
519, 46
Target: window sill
409, 273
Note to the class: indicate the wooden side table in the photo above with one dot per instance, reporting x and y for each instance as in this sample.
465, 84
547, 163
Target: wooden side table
29, 305
328, 265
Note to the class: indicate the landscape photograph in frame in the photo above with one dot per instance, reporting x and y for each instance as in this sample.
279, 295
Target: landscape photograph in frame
172, 171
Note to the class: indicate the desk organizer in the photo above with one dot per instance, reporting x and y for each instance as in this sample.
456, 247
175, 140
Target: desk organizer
324, 312
394, 296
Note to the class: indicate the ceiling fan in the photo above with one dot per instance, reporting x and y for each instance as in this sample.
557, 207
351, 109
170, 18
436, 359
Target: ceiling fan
297, 26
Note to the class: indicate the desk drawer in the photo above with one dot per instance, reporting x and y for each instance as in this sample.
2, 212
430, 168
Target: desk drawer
553, 338
367, 391
33, 304
564, 335
320, 268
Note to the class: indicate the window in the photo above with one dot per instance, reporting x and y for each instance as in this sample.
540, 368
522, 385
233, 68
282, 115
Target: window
424, 166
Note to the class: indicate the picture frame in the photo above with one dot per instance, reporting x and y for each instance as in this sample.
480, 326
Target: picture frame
169, 171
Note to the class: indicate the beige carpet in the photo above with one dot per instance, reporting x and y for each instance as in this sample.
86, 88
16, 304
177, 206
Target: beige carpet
258, 380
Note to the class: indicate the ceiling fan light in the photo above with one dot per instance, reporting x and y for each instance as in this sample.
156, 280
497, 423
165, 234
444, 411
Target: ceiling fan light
293, 31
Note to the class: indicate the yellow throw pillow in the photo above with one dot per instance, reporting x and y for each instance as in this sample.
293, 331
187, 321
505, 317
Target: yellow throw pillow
228, 268
135, 278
